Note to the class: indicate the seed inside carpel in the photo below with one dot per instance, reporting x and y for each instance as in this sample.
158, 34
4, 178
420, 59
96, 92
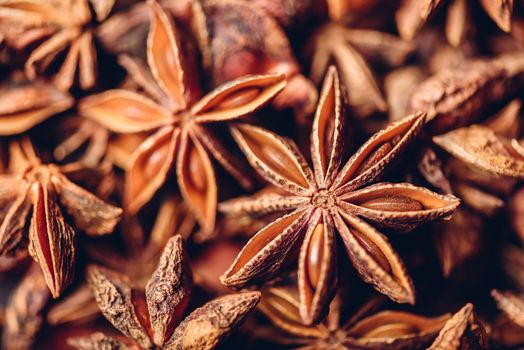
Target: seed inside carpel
393, 203
196, 171
373, 250
239, 98
315, 255
391, 330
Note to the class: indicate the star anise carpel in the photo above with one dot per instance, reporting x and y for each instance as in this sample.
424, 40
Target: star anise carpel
48, 28
36, 199
25, 104
180, 123
330, 200
152, 316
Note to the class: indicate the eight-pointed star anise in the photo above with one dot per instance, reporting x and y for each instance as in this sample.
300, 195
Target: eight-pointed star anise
152, 317
55, 26
329, 200
180, 121
32, 199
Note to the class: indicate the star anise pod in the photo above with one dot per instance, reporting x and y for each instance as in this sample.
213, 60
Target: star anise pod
350, 49
25, 104
508, 328
331, 200
24, 311
487, 159
180, 121
412, 15
365, 329
237, 38
461, 332
50, 27
35, 195
153, 317
138, 262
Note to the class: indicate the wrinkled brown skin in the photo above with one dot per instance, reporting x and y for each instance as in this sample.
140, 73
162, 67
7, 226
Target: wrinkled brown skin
35, 219
153, 317
458, 96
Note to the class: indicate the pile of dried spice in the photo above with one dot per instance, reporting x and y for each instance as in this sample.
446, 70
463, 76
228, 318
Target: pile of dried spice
261, 174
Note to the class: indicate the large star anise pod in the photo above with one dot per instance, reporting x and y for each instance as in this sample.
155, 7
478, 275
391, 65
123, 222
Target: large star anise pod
50, 27
331, 200
153, 317
412, 15
32, 200
25, 104
365, 329
180, 121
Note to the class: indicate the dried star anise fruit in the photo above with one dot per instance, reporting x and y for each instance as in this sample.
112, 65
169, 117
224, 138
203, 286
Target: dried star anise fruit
152, 316
180, 120
331, 200
49, 27
35, 198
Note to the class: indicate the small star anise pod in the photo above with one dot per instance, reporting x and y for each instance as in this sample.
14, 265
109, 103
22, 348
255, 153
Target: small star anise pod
180, 121
34, 196
487, 159
461, 332
331, 200
153, 317
412, 15
350, 49
25, 104
481, 147
138, 263
508, 328
365, 329
237, 38
56, 26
